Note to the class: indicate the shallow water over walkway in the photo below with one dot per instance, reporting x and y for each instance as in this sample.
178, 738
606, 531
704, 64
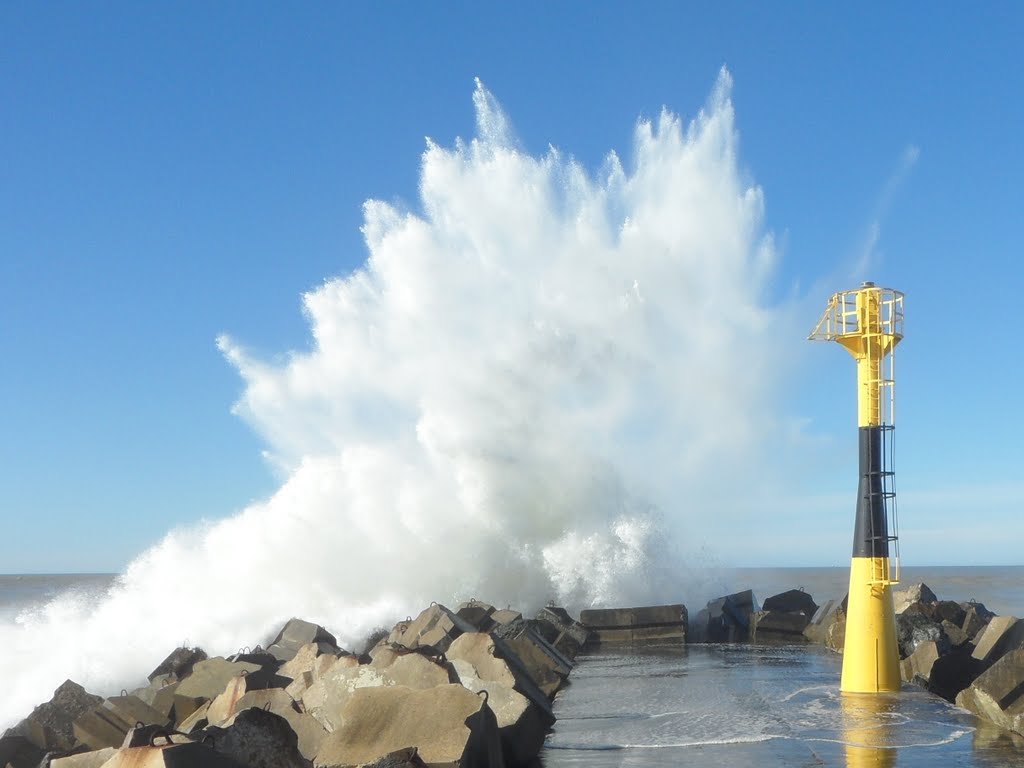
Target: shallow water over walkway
742, 705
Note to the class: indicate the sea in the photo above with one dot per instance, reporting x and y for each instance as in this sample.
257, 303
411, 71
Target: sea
731, 705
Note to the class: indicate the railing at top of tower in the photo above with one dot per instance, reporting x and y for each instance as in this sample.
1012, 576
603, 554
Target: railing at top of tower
841, 317
868, 322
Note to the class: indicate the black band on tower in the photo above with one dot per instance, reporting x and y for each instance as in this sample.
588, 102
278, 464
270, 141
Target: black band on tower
871, 531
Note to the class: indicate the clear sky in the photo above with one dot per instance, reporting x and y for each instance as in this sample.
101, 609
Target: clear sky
172, 172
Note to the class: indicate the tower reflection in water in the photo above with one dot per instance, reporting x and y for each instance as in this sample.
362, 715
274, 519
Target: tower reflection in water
870, 723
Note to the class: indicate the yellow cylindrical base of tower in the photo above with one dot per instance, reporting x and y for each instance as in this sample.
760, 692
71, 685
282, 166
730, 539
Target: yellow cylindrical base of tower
871, 659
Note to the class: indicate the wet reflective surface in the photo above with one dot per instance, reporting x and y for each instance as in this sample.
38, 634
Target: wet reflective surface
745, 705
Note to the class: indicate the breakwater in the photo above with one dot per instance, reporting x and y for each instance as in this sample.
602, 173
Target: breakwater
475, 686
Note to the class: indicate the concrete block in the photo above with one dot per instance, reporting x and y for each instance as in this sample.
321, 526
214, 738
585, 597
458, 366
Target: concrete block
570, 635
791, 601
492, 660
197, 720
505, 616
773, 626
446, 725
94, 759
327, 698
828, 614
725, 619
998, 693
207, 680
915, 593
436, 627
101, 727
1002, 635
297, 633
51, 725
178, 663
641, 625
522, 726
476, 613
975, 621
538, 659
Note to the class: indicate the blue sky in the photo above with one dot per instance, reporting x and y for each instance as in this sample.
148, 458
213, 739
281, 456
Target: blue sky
177, 171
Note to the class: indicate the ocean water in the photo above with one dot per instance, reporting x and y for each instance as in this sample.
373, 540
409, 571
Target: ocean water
752, 706
745, 705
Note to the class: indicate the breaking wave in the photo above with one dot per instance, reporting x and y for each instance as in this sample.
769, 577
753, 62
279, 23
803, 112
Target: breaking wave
537, 388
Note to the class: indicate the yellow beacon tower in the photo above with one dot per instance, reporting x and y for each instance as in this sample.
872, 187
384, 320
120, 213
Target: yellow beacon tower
868, 322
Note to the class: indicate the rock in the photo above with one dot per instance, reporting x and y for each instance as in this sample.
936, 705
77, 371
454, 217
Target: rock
178, 663
915, 593
792, 601
259, 739
159, 694
447, 725
998, 693
775, 626
18, 752
207, 680
93, 759
435, 627
309, 731
725, 619
1002, 635
413, 670
51, 725
914, 628
657, 624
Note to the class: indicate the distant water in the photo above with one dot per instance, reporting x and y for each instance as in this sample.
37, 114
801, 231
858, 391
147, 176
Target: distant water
27, 592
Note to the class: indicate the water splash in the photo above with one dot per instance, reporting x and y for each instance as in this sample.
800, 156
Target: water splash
533, 390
